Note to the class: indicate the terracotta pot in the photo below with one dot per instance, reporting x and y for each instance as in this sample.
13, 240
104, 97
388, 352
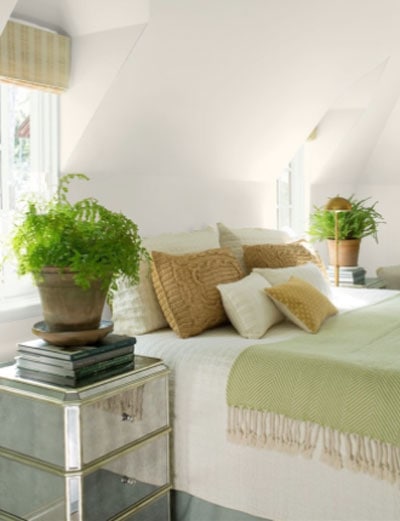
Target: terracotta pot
68, 307
348, 252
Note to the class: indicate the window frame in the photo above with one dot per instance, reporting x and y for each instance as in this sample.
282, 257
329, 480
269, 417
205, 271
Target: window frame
18, 295
295, 204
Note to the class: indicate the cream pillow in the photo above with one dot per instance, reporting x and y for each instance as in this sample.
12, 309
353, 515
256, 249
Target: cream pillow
186, 287
302, 303
135, 309
249, 310
235, 238
308, 272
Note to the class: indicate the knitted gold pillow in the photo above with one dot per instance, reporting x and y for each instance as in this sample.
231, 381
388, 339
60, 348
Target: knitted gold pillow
302, 303
186, 288
280, 256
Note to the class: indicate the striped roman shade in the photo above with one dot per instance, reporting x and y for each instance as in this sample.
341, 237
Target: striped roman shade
33, 57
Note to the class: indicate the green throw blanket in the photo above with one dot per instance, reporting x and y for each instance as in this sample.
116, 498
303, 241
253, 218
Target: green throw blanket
338, 391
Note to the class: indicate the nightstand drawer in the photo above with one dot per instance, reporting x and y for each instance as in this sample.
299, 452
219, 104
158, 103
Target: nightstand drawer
120, 419
71, 436
32, 427
111, 488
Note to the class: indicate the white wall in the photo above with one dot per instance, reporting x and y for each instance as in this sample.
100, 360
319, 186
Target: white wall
357, 153
91, 78
14, 332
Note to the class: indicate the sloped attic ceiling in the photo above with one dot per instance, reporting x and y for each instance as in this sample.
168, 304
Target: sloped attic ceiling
77, 17
230, 89
345, 132
225, 89
6, 8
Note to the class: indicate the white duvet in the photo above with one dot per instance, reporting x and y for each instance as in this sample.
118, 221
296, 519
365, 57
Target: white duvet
261, 482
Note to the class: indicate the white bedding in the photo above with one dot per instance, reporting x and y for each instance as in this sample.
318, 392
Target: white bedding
260, 482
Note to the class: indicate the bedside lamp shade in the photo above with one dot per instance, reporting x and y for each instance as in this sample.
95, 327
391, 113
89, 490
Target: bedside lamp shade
336, 205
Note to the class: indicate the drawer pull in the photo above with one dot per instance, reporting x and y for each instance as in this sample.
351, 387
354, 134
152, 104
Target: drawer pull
126, 480
125, 417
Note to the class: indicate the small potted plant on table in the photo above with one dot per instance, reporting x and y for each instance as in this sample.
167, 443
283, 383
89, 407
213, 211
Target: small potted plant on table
361, 221
75, 253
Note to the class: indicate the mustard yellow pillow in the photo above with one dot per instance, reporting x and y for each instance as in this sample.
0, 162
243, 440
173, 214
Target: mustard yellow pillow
302, 303
186, 288
280, 255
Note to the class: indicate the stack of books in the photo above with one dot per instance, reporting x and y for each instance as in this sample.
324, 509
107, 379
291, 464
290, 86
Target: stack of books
75, 366
348, 275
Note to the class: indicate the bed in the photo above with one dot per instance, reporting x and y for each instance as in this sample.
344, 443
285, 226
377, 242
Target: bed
218, 477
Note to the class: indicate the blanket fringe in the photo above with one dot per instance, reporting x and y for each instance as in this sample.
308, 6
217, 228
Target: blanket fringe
340, 450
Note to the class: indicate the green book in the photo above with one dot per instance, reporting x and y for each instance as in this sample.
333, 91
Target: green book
108, 343
67, 381
80, 372
80, 362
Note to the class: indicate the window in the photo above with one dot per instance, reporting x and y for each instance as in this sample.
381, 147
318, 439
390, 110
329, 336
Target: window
28, 164
290, 195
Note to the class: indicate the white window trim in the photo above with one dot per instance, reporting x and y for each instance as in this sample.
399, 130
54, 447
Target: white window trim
297, 189
25, 302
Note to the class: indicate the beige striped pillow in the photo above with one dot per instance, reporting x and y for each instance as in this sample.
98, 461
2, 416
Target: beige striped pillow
280, 256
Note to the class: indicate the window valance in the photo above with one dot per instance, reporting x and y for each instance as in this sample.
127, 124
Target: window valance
33, 57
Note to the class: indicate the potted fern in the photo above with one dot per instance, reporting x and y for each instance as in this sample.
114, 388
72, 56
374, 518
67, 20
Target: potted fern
75, 253
361, 221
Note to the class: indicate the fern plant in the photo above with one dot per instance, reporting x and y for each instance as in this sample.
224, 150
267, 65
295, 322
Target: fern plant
85, 238
361, 221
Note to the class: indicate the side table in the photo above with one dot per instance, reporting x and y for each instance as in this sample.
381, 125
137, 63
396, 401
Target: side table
91, 453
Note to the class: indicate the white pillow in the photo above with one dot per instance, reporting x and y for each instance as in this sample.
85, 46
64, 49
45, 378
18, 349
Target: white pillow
235, 238
247, 306
308, 272
135, 309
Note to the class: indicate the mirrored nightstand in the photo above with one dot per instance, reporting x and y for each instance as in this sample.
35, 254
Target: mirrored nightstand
96, 452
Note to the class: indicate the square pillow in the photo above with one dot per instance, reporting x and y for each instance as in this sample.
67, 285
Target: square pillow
308, 272
234, 239
302, 303
280, 255
248, 308
186, 287
135, 308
